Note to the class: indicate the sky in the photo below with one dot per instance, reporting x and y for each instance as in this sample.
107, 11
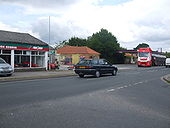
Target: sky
130, 21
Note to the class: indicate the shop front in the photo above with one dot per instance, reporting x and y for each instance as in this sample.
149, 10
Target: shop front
23, 51
22, 56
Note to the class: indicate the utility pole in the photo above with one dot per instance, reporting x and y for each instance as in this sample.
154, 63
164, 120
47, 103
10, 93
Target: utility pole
49, 30
49, 61
160, 50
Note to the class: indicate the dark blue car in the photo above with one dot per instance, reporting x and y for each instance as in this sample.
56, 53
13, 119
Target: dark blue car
95, 67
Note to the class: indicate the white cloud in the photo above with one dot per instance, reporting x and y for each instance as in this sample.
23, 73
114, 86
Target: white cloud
133, 22
17, 29
7, 27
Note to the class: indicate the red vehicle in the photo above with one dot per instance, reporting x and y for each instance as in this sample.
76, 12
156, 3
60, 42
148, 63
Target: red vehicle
147, 58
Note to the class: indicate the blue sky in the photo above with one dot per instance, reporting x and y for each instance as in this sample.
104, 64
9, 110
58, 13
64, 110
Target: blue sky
131, 21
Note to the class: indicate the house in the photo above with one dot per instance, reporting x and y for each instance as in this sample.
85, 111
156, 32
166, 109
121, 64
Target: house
72, 54
22, 50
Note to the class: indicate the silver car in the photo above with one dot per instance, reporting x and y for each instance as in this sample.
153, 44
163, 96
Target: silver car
5, 68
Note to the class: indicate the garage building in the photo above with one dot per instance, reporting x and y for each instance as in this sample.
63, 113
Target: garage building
22, 50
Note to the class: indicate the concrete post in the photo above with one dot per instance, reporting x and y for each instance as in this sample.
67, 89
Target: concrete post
30, 58
12, 58
46, 60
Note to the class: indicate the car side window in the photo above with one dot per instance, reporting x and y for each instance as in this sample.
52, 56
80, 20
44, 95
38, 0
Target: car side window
106, 62
101, 62
95, 62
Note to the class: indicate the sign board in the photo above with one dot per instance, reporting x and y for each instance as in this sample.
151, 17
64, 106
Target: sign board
23, 47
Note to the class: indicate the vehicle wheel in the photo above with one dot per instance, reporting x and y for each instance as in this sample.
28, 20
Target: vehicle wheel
81, 75
9, 75
97, 74
114, 72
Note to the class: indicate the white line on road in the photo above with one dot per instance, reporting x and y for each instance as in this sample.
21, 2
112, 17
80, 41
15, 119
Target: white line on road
126, 86
138, 83
111, 90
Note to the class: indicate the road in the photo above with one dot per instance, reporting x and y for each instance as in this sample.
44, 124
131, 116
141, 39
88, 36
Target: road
135, 98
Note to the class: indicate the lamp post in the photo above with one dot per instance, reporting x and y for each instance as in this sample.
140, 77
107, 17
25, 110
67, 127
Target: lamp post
49, 61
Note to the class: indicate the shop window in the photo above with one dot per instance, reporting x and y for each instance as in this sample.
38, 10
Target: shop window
24, 52
41, 53
37, 61
6, 51
34, 52
19, 52
68, 60
22, 61
27, 52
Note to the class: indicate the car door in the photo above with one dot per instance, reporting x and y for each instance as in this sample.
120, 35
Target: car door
107, 66
102, 66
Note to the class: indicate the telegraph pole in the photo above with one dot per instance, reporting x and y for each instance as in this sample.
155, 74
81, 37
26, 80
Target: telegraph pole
49, 31
49, 61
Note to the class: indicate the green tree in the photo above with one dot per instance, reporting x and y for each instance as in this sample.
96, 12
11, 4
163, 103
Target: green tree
143, 45
167, 54
106, 44
75, 41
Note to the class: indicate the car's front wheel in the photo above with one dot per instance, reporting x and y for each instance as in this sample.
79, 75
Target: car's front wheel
81, 75
97, 74
9, 75
114, 72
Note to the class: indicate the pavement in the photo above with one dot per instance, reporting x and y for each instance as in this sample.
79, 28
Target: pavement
167, 78
37, 75
58, 73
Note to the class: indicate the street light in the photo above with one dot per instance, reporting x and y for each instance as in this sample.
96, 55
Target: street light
49, 45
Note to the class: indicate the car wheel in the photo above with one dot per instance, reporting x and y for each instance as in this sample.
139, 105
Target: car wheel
114, 72
9, 75
81, 75
97, 74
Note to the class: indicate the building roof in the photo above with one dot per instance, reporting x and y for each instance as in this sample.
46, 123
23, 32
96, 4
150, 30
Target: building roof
23, 38
76, 50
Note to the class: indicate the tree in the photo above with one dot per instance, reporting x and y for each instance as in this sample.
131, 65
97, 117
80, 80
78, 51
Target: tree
75, 41
143, 45
167, 54
106, 44
103, 42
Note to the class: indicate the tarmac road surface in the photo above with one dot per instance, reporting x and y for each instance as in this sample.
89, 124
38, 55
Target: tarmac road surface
135, 98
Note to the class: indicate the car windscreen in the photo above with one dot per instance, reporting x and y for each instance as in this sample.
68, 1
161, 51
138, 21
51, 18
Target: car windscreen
2, 61
88, 62
85, 62
143, 54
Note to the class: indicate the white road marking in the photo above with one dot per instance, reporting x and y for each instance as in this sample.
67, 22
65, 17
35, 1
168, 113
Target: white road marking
111, 90
137, 83
152, 71
126, 86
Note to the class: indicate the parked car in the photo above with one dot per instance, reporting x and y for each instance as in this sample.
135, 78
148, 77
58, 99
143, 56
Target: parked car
167, 62
70, 67
95, 67
5, 68
53, 66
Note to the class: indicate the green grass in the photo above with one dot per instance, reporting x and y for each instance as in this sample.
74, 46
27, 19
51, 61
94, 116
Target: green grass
167, 80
